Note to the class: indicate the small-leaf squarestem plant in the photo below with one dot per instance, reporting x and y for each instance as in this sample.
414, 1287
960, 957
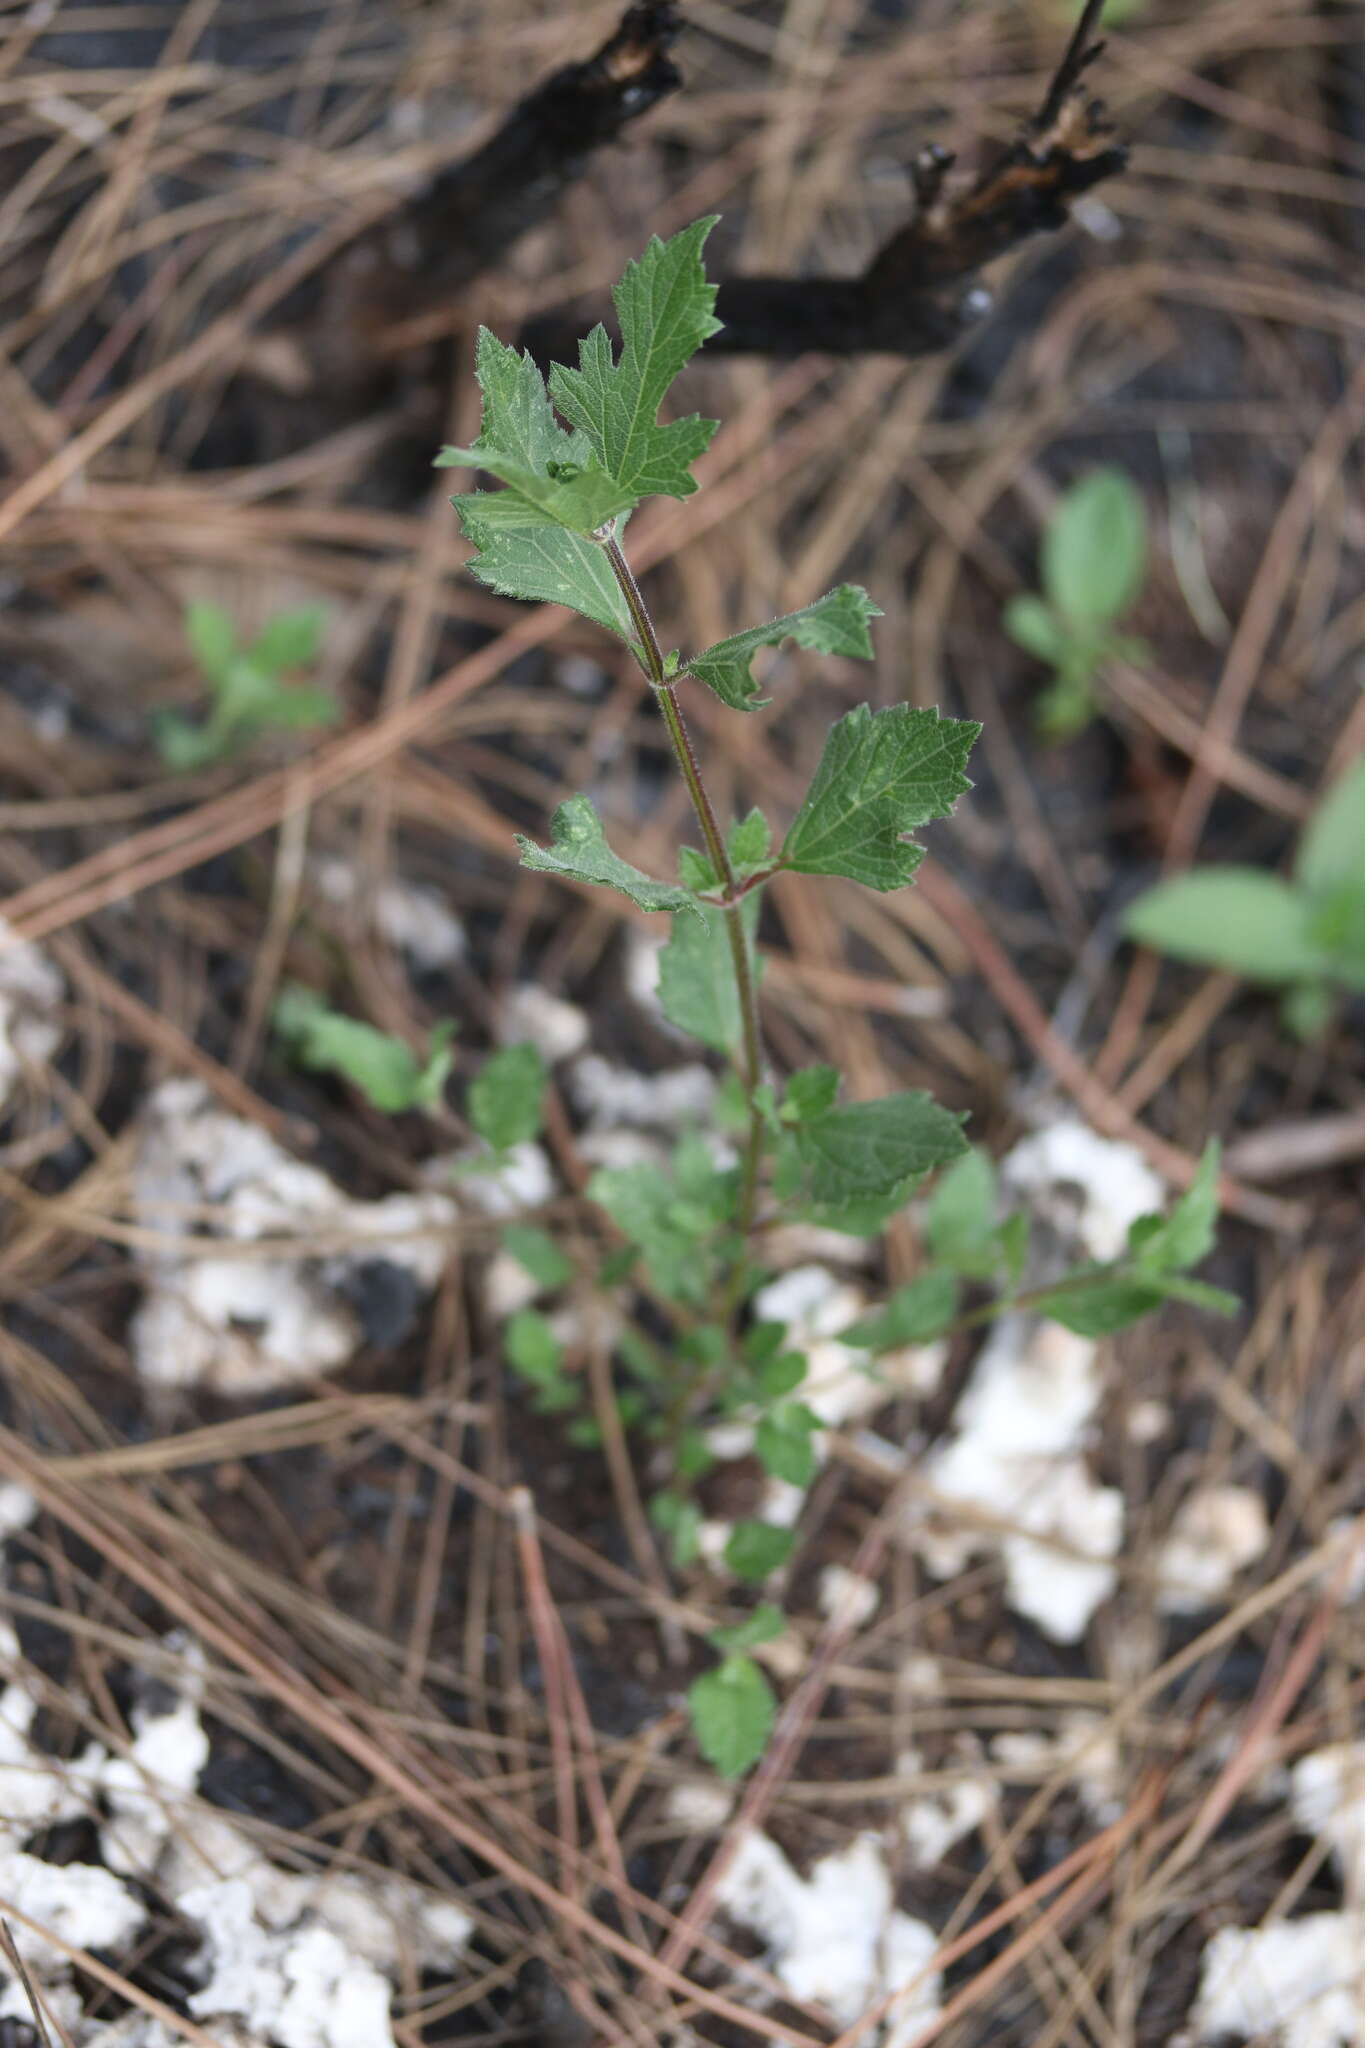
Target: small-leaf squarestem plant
574, 460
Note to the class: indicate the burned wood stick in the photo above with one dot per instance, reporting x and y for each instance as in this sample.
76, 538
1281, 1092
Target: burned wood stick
466, 220
916, 296
919, 292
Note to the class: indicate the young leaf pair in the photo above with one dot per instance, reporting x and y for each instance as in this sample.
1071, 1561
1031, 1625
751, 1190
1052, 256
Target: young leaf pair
1304, 934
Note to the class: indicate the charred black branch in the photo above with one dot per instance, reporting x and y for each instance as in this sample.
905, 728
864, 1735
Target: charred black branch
467, 219
916, 295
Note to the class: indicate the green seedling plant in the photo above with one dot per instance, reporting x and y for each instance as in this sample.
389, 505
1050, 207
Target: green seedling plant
680, 1250
249, 694
1303, 933
1092, 562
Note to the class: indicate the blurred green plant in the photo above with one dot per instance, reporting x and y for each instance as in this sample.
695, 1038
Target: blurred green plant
1092, 563
1304, 934
387, 1072
249, 695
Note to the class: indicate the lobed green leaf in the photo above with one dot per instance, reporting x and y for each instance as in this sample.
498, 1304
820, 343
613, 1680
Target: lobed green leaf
578, 850
882, 774
835, 624
663, 304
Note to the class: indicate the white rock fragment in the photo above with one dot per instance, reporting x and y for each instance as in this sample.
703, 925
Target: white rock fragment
702, 1807
557, 1029
1084, 1752
835, 1938
847, 1597
522, 1179
410, 916
608, 1095
507, 1287
1013, 1464
244, 1325
1327, 1794
1299, 1983
1217, 1531
1088, 1187
302, 1990
933, 1823
31, 990
81, 1904
642, 952
17, 1507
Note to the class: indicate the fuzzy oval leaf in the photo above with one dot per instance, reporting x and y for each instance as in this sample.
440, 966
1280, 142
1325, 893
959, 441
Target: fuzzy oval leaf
784, 1442
959, 1219
505, 1097
882, 774
1241, 919
385, 1070
578, 850
733, 1710
1094, 552
1174, 1243
835, 624
212, 637
756, 1549
1332, 847
290, 640
663, 304
762, 1626
1035, 627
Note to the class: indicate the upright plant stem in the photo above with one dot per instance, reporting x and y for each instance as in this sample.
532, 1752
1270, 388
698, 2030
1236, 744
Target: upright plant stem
720, 859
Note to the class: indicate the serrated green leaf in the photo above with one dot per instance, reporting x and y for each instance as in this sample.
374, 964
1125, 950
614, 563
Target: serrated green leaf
870, 1151
290, 640
914, 1314
506, 1095
835, 624
536, 1251
212, 637
882, 774
531, 1348
1094, 552
959, 1218
733, 1710
1242, 919
550, 475
696, 871
643, 1204
663, 304
779, 1375
810, 1092
385, 1070
748, 843
783, 1443
762, 1626
697, 977
1035, 627
756, 1549
1331, 847
1174, 1243
544, 565
1106, 1304
680, 1520
578, 850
